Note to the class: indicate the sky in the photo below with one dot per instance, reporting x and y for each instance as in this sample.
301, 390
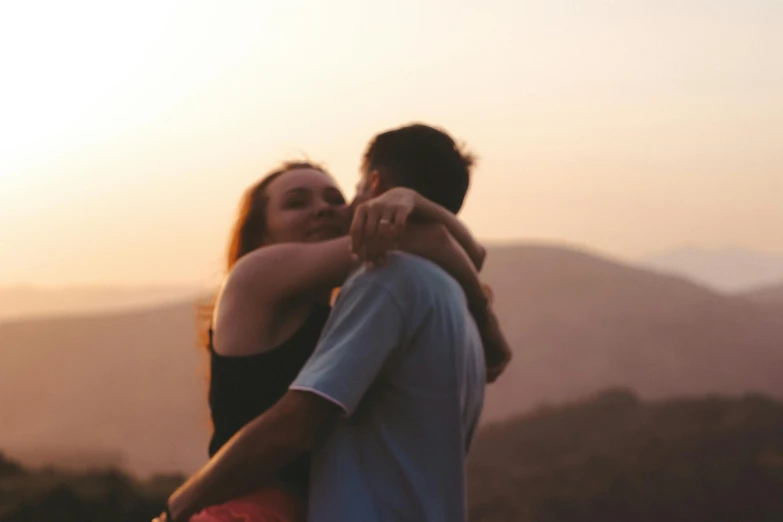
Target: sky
128, 130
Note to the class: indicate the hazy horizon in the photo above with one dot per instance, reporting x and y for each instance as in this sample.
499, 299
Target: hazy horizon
630, 127
647, 261
577, 324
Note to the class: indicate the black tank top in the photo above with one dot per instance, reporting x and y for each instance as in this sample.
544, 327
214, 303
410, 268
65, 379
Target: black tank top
243, 387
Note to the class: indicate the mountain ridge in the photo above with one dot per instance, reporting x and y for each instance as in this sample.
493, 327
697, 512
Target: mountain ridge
577, 322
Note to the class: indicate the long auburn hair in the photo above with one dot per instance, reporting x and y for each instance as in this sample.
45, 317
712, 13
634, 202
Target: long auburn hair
247, 233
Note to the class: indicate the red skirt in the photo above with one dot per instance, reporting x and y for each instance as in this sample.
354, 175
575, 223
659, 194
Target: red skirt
270, 504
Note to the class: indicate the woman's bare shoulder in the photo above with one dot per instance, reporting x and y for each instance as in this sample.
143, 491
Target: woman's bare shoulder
239, 319
255, 271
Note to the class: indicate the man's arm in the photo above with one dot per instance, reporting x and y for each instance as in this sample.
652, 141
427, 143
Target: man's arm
252, 456
364, 328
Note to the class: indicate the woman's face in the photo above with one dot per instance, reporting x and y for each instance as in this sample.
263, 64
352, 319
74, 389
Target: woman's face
304, 206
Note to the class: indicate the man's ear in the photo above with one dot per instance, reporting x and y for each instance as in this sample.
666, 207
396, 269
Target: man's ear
378, 183
375, 183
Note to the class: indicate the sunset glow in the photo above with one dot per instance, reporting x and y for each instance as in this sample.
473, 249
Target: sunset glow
128, 131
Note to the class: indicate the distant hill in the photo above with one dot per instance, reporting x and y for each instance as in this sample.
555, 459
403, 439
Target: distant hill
728, 270
616, 459
23, 302
126, 389
580, 323
130, 388
766, 295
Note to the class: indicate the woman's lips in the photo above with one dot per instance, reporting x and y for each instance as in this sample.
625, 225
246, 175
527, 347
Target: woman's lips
326, 231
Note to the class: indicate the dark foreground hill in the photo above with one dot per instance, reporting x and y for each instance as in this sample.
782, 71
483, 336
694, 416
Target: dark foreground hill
53, 496
612, 458
616, 459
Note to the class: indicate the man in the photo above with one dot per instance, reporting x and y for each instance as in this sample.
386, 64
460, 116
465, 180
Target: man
391, 397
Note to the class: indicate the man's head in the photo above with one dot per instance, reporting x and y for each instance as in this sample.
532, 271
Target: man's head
418, 157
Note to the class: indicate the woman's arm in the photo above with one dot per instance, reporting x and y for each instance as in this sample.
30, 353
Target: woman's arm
280, 272
379, 223
283, 271
430, 211
434, 242
287, 270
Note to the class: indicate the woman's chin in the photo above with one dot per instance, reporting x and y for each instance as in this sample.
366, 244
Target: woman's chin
324, 234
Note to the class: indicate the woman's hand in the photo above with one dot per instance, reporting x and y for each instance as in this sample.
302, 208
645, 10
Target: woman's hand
433, 241
168, 516
497, 352
378, 224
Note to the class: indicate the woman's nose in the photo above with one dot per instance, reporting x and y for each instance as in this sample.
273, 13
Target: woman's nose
324, 208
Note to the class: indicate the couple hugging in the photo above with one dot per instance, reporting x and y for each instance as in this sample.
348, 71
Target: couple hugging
361, 411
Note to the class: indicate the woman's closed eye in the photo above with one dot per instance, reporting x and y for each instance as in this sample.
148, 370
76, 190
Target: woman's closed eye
295, 202
333, 196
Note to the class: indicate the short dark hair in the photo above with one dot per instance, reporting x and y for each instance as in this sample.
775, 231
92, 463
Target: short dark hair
424, 159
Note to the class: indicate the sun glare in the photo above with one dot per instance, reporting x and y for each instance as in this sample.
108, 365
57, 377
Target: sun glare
66, 65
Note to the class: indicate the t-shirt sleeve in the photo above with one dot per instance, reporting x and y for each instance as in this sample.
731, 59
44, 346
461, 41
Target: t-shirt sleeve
364, 330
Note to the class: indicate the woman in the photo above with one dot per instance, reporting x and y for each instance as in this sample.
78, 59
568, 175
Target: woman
289, 250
